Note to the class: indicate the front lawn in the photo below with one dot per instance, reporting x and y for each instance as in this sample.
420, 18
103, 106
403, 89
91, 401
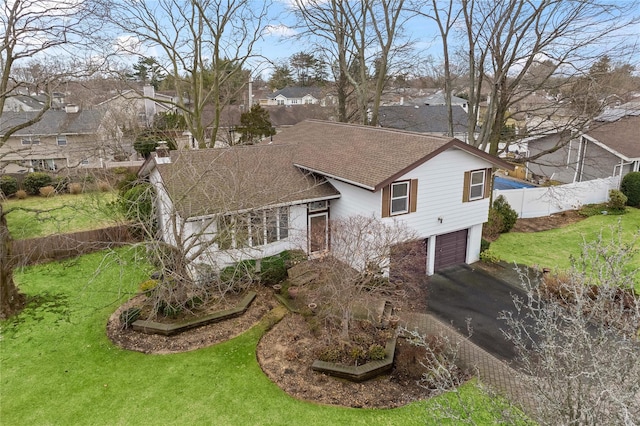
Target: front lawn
37, 216
553, 249
58, 366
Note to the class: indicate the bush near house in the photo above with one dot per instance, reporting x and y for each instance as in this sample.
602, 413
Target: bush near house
8, 185
630, 186
617, 201
501, 219
34, 181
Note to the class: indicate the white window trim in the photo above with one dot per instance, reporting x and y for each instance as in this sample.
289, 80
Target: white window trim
481, 185
248, 223
392, 198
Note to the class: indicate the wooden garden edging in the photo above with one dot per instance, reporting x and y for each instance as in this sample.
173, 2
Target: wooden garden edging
152, 327
362, 372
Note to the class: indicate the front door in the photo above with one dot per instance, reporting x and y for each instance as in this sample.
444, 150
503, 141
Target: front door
318, 232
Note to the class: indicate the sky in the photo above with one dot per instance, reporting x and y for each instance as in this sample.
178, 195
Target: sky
278, 43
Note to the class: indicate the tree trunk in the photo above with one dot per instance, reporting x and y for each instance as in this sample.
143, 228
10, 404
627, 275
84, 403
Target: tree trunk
11, 300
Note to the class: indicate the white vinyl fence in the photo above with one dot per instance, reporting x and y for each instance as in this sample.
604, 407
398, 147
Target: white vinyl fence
537, 202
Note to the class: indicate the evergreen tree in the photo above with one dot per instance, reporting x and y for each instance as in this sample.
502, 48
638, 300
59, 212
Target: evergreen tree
255, 124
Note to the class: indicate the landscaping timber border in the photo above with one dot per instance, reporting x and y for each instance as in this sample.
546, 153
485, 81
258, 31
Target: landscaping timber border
362, 372
152, 327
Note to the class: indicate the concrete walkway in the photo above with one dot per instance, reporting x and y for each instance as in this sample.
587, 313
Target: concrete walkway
491, 371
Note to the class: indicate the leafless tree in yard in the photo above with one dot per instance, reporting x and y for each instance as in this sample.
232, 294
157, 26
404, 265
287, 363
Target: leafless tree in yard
504, 42
203, 46
356, 38
31, 31
354, 274
210, 210
577, 341
578, 338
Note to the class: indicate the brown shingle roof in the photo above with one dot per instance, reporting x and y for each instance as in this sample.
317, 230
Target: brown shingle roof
622, 135
366, 156
211, 181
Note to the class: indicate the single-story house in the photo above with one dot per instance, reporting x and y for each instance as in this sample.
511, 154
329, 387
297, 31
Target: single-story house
438, 99
223, 205
291, 96
428, 119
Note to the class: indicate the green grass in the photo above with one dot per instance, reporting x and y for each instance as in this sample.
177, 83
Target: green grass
553, 249
58, 366
39, 216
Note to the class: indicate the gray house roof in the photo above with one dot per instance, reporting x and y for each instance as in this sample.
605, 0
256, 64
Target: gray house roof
422, 119
438, 99
296, 92
53, 122
622, 135
240, 178
367, 156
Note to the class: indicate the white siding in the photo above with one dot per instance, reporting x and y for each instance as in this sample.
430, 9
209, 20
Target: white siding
440, 188
355, 201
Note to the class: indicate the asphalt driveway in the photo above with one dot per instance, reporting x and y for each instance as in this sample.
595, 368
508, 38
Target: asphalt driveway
461, 292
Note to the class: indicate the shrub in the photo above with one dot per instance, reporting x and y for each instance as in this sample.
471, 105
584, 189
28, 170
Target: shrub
137, 204
617, 200
330, 354
630, 186
376, 352
34, 181
129, 316
8, 185
491, 229
148, 285
509, 215
61, 184
168, 310
21, 194
489, 257
104, 186
47, 191
75, 188
274, 268
484, 245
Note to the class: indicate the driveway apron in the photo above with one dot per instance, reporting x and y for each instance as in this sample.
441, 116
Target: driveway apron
463, 295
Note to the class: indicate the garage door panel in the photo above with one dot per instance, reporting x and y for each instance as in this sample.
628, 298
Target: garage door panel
451, 249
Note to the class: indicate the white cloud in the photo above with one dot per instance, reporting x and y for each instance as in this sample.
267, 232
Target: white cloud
127, 45
279, 30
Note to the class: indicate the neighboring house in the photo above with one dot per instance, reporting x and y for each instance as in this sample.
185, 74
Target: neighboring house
254, 201
61, 139
134, 107
611, 147
290, 96
23, 102
428, 119
438, 99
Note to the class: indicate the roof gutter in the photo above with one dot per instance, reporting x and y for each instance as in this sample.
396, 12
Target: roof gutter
291, 203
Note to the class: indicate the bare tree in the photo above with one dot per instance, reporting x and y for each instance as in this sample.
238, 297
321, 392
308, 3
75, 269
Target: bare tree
208, 211
502, 41
578, 338
356, 37
355, 274
32, 29
203, 46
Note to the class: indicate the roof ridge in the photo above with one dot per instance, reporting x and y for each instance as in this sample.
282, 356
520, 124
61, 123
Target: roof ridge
379, 129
